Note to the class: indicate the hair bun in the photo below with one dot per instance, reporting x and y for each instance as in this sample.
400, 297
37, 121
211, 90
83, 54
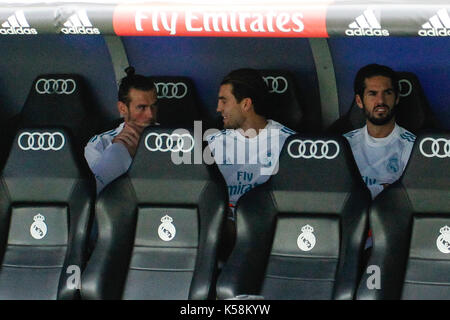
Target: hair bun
129, 71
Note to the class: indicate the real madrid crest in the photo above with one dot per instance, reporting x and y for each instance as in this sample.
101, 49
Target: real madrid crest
393, 165
443, 241
306, 240
38, 228
166, 230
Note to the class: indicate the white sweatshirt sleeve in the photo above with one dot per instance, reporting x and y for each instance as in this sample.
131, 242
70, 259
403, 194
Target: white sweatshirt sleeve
109, 164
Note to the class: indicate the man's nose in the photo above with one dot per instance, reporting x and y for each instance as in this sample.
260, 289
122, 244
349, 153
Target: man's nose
219, 107
380, 99
149, 112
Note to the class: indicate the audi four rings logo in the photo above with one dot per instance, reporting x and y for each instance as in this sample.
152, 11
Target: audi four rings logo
439, 147
58, 86
41, 141
169, 142
276, 84
318, 149
171, 90
402, 84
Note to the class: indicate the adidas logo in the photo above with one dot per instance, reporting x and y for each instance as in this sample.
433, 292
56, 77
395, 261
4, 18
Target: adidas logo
437, 26
366, 25
79, 23
17, 24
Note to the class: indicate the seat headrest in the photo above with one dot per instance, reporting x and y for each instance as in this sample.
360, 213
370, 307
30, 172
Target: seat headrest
177, 101
429, 164
426, 179
41, 165
413, 112
57, 100
169, 164
285, 105
317, 171
307, 161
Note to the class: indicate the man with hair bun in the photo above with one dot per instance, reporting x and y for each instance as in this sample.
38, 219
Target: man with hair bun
109, 154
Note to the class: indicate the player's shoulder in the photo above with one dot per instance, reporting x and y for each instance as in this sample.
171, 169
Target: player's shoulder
281, 128
353, 134
107, 135
221, 134
405, 136
355, 138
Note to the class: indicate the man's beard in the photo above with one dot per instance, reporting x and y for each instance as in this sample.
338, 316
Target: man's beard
143, 124
381, 121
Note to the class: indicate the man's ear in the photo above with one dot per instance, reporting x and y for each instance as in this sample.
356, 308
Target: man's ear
359, 101
122, 107
247, 104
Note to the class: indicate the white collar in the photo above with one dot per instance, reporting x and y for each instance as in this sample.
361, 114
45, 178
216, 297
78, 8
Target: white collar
380, 142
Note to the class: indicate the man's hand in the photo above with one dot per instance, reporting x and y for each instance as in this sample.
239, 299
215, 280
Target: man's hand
129, 137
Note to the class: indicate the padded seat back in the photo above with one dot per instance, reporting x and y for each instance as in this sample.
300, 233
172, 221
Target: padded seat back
46, 203
177, 101
413, 114
410, 222
61, 100
159, 225
301, 234
285, 104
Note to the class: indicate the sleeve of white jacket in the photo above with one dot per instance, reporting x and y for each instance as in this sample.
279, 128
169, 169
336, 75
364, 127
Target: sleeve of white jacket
109, 164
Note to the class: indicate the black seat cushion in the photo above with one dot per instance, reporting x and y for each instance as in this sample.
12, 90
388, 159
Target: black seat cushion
46, 202
285, 103
159, 225
178, 105
61, 100
300, 235
409, 220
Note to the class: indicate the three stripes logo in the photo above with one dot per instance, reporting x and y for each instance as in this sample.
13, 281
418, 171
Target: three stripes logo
79, 23
437, 26
17, 24
366, 24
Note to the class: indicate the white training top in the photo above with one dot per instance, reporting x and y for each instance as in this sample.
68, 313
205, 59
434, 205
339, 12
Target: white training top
381, 160
107, 160
247, 162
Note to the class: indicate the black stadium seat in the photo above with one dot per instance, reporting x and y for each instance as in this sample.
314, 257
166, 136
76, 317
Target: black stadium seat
159, 226
284, 100
8, 128
301, 234
46, 203
410, 222
413, 114
177, 101
61, 100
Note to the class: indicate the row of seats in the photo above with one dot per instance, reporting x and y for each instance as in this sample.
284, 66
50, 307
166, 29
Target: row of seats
301, 235
65, 100
44, 178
